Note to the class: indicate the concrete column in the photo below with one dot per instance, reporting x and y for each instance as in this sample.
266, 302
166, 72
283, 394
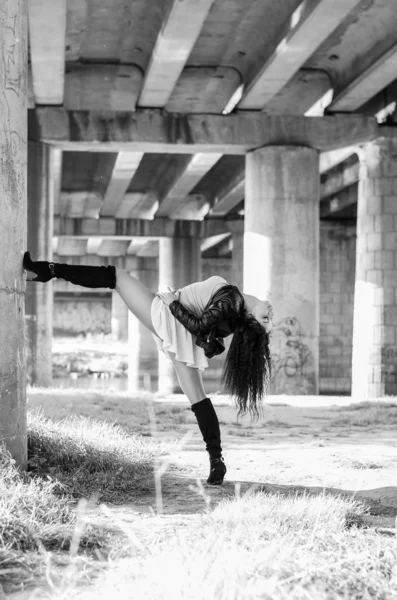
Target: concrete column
13, 136
337, 277
39, 297
374, 370
142, 349
281, 258
179, 265
134, 346
119, 318
237, 229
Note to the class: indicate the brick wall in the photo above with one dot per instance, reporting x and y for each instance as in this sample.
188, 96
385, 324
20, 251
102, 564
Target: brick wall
337, 277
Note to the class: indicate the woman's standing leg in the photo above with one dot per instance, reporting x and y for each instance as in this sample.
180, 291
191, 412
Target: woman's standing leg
191, 382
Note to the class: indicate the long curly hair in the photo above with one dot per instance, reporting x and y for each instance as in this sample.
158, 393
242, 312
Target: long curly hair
247, 368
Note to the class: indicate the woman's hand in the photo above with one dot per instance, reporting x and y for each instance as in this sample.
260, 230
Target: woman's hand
168, 296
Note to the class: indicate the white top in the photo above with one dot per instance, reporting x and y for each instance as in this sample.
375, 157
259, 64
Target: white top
172, 335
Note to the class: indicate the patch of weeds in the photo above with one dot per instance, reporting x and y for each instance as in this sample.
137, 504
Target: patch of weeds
278, 424
175, 410
243, 433
88, 457
329, 557
367, 414
33, 517
362, 464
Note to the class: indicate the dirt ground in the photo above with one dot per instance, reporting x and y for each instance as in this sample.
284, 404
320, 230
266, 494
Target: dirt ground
302, 444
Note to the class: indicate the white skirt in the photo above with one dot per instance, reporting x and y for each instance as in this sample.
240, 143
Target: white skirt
173, 337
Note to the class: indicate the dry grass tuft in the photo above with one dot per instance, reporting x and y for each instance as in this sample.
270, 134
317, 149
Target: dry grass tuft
67, 459
258, 546
88, 457
367, 414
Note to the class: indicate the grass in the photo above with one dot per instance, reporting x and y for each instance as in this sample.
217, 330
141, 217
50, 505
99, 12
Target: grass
368, 414
252, 545
89, 457
73, 458
256, 546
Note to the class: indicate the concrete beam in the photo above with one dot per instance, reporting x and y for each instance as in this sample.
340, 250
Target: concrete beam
374, 79
329, 160
334, 206
47, 31
149, 249
204, 89
138, 205
230, 197
195, 207
339, 179
181, 28
93, 244
79, 205
113, 248
310, 25
102, 87
162, 132
124, 170
134, 246
69, 246
126, 229
214, 241
300, 93
197, 167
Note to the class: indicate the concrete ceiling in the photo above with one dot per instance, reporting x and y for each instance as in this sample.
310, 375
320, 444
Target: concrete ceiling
113, 57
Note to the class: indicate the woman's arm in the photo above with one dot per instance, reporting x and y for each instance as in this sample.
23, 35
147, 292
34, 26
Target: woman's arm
216, 312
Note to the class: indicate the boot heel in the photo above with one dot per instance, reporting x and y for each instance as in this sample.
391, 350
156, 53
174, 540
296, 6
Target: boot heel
217, 471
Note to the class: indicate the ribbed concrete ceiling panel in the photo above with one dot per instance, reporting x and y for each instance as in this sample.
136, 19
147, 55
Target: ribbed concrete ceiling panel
236, 33
365, 35
156, 172
87, 171
220, 175
204, 89
121, 30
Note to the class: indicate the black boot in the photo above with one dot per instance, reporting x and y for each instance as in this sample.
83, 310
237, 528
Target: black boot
92, 277
209, 427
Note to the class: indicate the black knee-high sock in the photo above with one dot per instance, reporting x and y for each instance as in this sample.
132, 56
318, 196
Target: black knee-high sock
209, 426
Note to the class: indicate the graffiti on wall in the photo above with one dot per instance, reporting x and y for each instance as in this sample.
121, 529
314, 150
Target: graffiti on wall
293, 366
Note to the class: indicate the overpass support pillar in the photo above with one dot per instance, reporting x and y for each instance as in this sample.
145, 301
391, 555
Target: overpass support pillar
281, 258
179, 265
119, 322
39, 297
237, 229
142, 350
374, 367
13, 136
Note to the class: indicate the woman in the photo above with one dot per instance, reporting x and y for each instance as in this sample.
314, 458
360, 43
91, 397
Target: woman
189, 326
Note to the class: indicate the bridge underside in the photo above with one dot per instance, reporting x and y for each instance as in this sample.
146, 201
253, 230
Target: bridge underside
253, 137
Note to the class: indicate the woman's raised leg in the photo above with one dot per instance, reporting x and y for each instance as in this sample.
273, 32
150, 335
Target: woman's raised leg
137, 297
